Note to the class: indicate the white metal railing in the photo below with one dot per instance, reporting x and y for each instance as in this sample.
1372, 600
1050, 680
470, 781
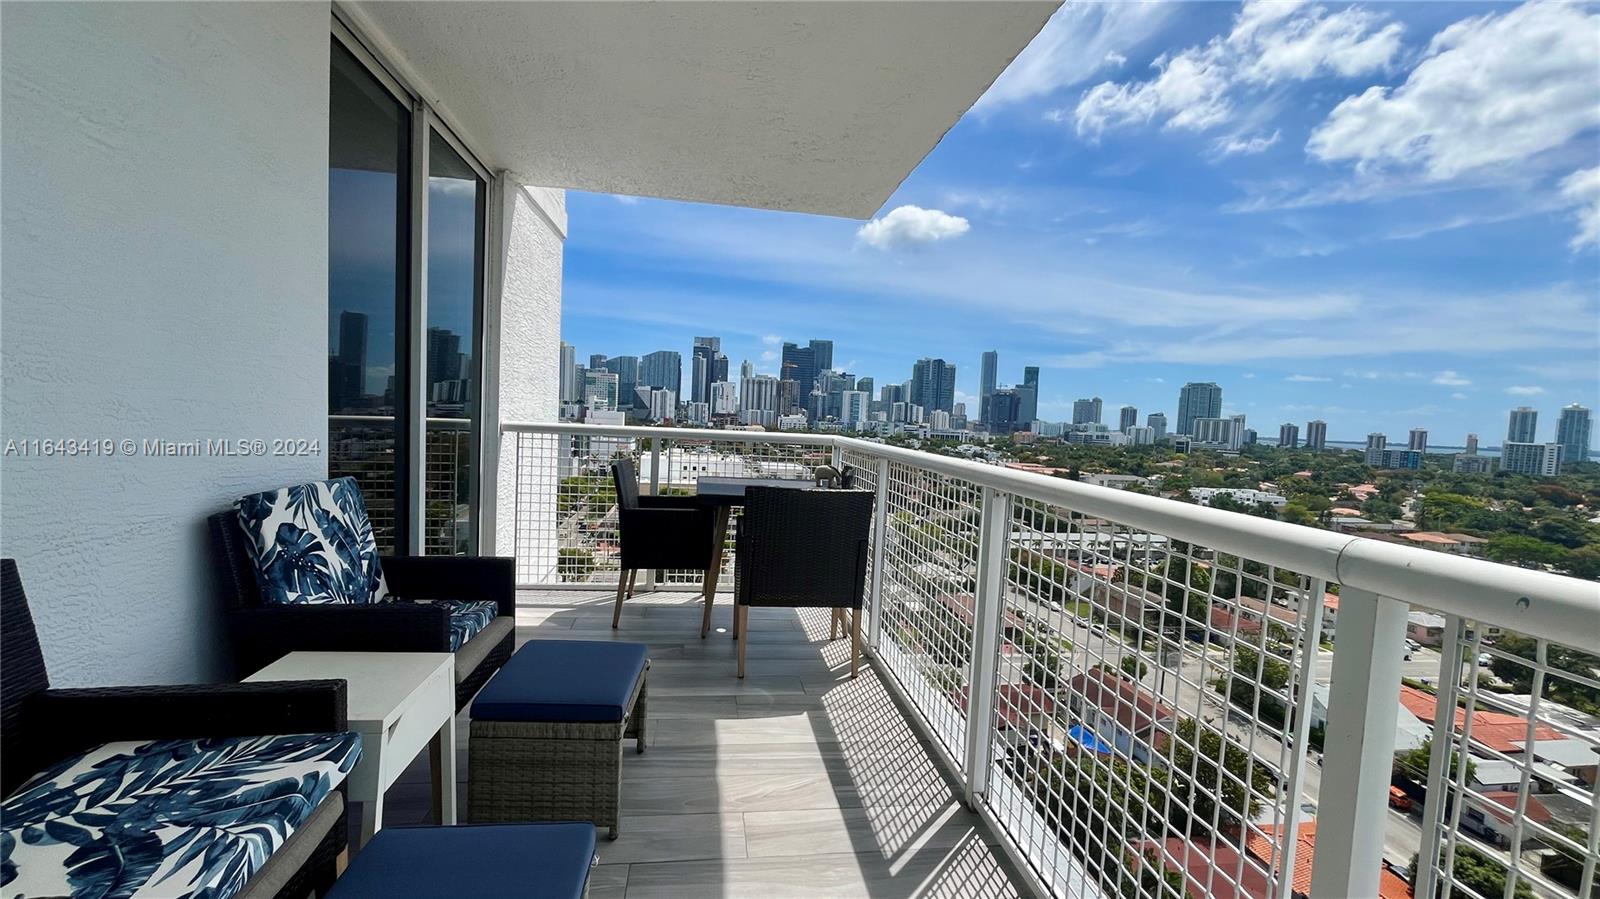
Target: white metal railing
1134, 692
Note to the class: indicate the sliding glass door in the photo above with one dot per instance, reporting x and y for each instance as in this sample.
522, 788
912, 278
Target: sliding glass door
407, 223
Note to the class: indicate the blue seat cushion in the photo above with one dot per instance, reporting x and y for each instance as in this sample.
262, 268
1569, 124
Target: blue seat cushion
486, 861
563, 680
467, 617
170, 818
312, 543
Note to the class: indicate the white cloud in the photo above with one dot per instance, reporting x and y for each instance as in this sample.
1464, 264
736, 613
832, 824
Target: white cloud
1451, 379
1458, 396
906, 225
1270, 42
1307, 378
1079, 40
1582, 189
772, 339
1491, 90
1249, 375
1243, 146
626, 200
1521, 390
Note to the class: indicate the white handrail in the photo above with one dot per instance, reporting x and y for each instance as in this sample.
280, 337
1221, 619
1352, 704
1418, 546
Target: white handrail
1536, 603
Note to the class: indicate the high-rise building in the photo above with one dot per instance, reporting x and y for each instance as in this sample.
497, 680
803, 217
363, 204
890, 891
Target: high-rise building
1572, 432
1141, 436
1289, 435
939, 420
1219, 433
1198, 399
1523, 426
663, 404
1127, 417
988, 380
626, 368
822, 351
600, 389
347, 383
1157, 423
707, 350
1472, 445
1418, 443
724, 398
1004, 407
892, 393
866, 386
597, 360
1539, 459
800, 366
1316, 435
1029, 395
1087, 411
747, 369
1376, 444
662, 370
933, 384
569, 373
853, 407
758, 400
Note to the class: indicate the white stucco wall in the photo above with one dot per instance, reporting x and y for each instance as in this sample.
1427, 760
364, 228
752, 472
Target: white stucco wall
533, 231
164, 275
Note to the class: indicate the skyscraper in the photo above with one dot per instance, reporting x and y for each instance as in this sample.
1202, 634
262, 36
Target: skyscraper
1198, 399
1289, 435
933, 385
662, 370
626, 369
1472, 445
569, 373
1029, 396
698, 378
988, 380
1376, 444
1316, 435
747, 369
706, 373
1003, 411
350, 365
1157, 423
597, 360
1222, 433
1127, 417
1088, 411
822, 352
866, 386
800, 366
1572, 432
1523, 426
1419, 440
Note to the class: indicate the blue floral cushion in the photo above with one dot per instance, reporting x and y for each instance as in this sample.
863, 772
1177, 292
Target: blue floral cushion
170, 818
313, 543
467, 617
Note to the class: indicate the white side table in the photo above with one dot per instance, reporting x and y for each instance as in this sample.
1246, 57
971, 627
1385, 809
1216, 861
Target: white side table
399, 702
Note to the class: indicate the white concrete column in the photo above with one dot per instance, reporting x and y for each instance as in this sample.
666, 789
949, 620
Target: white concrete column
1359, 748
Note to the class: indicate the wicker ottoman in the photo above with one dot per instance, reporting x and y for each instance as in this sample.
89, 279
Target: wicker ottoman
547, 731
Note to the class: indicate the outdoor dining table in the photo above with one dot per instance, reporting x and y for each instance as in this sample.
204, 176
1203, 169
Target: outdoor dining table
722, 494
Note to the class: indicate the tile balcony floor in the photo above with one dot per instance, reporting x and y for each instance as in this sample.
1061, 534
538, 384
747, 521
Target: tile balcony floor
795, 782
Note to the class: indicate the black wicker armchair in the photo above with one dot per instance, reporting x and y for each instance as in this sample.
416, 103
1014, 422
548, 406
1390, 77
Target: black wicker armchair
803, 549
264, 632
659, 532
40, 727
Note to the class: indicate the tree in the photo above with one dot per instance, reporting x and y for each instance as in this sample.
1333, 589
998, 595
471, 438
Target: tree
1134, 666
1196, 781
1477, 872
1580, 696
1242, 691
1516, 549
574, 563
1413, 763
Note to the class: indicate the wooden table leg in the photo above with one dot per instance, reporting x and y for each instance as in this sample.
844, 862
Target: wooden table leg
741, 619
719, 533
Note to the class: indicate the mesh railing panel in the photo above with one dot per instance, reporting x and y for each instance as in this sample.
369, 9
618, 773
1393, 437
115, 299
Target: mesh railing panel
928, 594
1143, 699
1518, 814
566, 507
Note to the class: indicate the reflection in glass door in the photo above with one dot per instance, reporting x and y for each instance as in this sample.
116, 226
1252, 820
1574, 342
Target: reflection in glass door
456, 213
368, 165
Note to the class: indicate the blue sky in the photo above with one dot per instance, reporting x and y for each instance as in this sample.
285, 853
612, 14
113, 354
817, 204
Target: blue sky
1382, 215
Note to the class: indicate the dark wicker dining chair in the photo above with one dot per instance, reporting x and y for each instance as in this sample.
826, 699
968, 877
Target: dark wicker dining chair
658, 532
802, 549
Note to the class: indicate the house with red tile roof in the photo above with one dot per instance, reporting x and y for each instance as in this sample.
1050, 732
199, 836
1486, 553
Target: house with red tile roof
1494, 730
1121, 712
1221, 871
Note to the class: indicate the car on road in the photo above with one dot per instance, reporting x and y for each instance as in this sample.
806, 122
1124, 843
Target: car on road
1399, 800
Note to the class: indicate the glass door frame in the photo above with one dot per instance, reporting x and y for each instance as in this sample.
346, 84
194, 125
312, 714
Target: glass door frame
412, 320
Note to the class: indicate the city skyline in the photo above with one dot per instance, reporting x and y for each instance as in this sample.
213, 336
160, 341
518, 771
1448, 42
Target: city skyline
1513, 418
1126, 255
